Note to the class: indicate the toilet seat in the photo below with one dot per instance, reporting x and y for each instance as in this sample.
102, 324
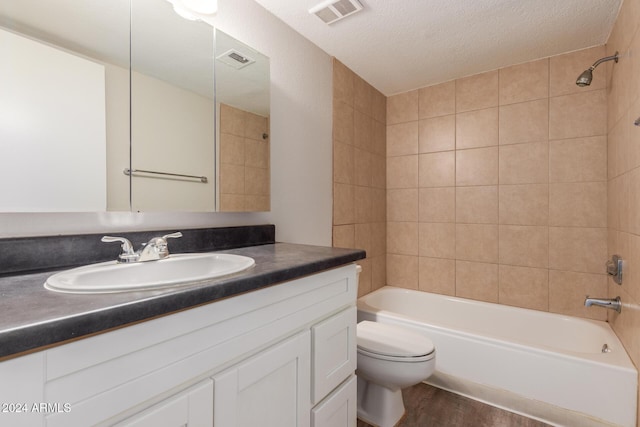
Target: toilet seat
390, 342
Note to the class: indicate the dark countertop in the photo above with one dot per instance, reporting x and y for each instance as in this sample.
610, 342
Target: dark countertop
32, 317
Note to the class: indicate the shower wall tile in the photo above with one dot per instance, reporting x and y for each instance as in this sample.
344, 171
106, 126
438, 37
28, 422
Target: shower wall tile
343, 123
402, 108
526, 204
437, 169
477, 92
578, 160
378, 239
402, 271
437, 240
524, 122
524, 287
476, 280
581, 114
524, 163
437, 204
362, 131
577, 249
363, 97
402, 204
619, 85
524, 82
379, 107
524, 245
402, 238
402, 172
579, 204
231, 149
437, 134
363, 169
437, 100
477, 242
477, 128
344, 236
363, 199
343, 163
343, 89
477, 205
402, 139
478, 166
437, 275
343, 204
378, 171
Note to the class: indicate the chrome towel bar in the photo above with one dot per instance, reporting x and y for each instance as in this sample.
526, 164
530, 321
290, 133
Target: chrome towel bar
202, 179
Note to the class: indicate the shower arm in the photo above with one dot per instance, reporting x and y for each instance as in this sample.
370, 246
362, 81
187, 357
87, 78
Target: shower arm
613, 57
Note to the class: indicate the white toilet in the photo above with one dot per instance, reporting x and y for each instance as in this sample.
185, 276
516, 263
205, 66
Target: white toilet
390, 358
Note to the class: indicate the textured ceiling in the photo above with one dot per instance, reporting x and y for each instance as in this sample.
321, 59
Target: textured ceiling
400, 45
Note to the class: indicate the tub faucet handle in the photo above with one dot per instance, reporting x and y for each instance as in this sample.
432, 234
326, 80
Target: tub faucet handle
614, 268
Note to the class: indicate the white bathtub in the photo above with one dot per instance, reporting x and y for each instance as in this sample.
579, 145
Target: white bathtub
543, 365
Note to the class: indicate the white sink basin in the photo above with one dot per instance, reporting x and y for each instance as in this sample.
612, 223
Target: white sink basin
179, 269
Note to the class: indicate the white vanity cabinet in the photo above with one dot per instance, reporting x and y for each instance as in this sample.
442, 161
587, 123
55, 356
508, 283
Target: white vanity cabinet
191, 408
284, 355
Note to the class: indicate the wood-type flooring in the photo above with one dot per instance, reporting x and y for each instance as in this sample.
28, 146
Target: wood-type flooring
428, 406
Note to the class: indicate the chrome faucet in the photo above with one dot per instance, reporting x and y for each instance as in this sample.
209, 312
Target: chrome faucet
155, 249
613, 304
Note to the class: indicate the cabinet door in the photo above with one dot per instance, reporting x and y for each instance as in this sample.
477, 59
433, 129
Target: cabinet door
271, 389
192, 408
334, 352
339, 409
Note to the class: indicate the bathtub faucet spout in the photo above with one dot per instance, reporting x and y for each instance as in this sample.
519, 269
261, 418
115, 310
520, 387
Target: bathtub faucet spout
613, 304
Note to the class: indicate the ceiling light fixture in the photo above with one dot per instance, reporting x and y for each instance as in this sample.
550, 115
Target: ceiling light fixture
190, 9
331, 11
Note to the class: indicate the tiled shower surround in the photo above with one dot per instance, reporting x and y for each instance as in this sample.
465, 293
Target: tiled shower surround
512, 186
359, 179
497, 186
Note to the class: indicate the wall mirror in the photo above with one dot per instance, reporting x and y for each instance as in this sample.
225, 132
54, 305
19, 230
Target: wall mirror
65, 123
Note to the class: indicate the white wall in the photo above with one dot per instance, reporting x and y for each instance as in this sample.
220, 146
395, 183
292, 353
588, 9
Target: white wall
301, 162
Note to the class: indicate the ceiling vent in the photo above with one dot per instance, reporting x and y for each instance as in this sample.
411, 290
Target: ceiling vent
235, 59
331, 11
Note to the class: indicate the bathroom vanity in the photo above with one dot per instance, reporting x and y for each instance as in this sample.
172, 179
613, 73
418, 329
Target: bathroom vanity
273, 346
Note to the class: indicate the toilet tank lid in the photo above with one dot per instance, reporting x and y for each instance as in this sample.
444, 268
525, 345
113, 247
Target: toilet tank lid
392, 340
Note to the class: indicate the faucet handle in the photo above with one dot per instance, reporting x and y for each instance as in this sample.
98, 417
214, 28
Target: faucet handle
172, 235
128, 254
157, 247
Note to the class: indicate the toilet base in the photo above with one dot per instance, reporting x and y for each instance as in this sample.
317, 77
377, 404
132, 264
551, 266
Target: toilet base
378, 405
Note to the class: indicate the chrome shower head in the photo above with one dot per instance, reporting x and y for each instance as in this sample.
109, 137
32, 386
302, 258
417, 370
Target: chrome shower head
585, 78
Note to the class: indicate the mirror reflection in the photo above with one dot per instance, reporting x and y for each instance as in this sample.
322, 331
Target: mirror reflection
172, 110
242, 93
68, 96
64, 109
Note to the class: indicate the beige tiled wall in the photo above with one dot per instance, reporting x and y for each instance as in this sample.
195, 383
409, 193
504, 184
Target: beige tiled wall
244, 161
623, 96
497, 186
359, 172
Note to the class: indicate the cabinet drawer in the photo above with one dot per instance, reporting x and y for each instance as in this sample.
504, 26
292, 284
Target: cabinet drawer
339, 409
334, 352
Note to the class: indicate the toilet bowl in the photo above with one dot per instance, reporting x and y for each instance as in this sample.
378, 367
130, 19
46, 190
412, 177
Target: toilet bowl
390, 358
